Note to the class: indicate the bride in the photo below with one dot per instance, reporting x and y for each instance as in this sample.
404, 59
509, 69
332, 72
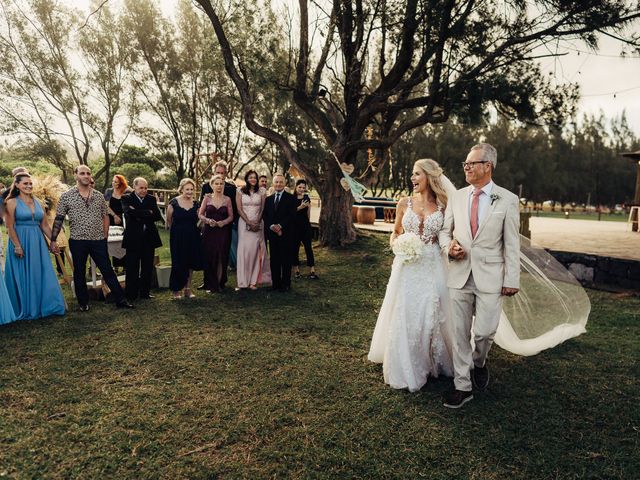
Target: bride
411, 337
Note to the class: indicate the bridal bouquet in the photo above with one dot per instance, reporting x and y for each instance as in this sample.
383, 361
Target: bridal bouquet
408, 246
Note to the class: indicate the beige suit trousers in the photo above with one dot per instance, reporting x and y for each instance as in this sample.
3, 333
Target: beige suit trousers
487, 307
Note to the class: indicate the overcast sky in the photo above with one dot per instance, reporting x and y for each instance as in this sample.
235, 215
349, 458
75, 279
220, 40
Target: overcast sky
608, 82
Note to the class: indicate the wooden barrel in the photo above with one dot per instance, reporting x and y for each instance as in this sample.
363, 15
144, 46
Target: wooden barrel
354, 213
366, 215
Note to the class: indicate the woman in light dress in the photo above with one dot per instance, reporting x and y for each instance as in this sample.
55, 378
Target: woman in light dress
253, 264
411, 338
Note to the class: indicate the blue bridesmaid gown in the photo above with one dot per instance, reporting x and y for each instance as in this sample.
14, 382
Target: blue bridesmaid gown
31, 282
7, 315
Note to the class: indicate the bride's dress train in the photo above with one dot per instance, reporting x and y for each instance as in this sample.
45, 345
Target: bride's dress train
411, 339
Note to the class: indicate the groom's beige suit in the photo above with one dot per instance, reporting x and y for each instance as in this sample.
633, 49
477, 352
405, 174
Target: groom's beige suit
492, 261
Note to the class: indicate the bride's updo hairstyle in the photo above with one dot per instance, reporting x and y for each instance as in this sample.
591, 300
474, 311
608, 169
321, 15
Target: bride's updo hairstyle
434, 174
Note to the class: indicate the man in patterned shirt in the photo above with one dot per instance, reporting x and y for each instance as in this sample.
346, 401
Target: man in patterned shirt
89, 224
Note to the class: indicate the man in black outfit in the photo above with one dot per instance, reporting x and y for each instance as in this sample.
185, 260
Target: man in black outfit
140, 239
279, 215
89, 225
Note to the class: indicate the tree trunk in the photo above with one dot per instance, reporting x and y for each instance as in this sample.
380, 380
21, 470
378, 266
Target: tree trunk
107, 167
336, 224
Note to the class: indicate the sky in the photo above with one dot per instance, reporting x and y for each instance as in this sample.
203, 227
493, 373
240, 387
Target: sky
608, 82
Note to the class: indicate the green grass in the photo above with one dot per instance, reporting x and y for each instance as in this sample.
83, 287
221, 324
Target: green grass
262, 385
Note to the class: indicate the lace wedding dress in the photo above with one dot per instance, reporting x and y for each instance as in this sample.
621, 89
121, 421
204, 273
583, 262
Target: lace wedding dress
411, 337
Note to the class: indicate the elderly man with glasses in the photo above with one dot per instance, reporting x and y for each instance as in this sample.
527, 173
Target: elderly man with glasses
480, 235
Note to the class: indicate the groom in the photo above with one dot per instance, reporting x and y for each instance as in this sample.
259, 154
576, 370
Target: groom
480, 234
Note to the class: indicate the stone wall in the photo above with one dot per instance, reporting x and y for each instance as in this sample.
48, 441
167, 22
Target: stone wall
596, 271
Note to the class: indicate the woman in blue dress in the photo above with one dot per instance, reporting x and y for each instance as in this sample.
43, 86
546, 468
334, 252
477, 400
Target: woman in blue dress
31, 282
7, 315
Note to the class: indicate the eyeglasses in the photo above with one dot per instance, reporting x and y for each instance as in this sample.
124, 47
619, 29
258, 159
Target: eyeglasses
466, 165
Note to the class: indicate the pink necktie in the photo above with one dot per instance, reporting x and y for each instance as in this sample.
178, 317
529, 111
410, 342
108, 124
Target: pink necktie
474, 212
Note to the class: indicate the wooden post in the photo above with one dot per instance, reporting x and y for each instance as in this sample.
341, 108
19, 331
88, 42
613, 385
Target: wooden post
636, 199
635, 156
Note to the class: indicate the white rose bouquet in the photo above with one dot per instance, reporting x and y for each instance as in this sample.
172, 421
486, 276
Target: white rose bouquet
408, 247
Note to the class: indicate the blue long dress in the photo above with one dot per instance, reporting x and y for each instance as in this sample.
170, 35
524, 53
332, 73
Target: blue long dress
31, 282
7, 315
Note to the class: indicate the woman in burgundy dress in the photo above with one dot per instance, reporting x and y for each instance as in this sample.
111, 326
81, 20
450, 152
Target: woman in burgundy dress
216, 214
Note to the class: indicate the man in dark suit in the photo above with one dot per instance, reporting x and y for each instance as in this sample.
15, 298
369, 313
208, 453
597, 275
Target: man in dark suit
140, 239
279, 215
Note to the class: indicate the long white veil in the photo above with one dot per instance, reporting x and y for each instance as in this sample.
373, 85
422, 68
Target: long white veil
550, 307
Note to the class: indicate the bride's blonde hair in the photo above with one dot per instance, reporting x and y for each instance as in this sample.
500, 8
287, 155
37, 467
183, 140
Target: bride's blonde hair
434, 175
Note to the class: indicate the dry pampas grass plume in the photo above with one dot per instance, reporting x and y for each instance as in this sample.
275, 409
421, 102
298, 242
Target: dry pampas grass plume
48, 189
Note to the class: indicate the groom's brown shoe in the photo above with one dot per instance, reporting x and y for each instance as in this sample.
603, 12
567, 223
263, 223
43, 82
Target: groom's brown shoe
480, 377
457, 399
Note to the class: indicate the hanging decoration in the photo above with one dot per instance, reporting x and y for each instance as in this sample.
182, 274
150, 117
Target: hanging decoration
348, 183
371, 154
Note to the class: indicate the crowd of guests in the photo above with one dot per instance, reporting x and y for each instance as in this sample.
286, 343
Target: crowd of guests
256, 230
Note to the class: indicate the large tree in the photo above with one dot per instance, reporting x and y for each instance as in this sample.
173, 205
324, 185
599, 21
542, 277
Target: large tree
106, 44
395, 65
42, 93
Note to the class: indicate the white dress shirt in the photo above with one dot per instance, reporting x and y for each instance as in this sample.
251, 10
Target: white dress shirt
484, 200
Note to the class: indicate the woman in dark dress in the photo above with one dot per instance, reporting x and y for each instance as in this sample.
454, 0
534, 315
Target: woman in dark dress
303, 230
113, 195
216, 213
184, 241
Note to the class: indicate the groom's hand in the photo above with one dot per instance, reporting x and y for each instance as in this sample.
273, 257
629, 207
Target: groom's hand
509, 292
455, 250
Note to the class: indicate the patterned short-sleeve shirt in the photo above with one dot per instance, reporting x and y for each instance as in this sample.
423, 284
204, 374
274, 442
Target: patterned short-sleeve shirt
85, 215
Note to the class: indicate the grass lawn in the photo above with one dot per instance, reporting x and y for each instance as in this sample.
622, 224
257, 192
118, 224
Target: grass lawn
263, 385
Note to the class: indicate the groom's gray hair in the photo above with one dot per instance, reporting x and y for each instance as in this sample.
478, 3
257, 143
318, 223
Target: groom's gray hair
489, 153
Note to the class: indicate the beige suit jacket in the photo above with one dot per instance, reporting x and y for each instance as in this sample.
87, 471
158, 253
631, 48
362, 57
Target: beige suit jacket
494, 255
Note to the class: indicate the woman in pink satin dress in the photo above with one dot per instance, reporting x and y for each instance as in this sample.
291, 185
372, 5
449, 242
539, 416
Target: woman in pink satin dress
253, 264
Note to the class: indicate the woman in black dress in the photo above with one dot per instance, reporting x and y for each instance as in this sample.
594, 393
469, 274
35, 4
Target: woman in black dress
303, 230
184, 242
216, 213
113, 195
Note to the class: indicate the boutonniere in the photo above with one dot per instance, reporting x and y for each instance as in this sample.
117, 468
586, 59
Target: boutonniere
494, 197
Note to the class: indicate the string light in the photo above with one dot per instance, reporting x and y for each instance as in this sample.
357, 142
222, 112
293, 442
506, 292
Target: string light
614, 93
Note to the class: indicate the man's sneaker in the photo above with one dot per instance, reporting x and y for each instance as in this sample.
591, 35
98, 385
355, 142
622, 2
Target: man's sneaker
480, 377
457, 399
83, 308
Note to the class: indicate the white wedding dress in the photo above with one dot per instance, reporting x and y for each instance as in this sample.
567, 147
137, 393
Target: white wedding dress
411, 338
